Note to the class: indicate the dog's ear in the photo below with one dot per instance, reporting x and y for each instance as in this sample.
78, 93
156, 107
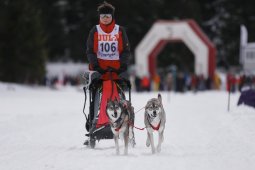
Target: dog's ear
160, 98
146, 106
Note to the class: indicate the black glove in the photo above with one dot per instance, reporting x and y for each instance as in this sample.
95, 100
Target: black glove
122, 68
110, 69
99, 69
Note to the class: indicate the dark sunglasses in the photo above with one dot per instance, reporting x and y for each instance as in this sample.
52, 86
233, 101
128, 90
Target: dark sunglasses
105, 15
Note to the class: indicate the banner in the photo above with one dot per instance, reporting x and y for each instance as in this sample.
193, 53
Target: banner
247, 52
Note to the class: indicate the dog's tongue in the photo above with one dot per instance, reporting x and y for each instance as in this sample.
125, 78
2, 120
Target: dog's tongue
108, 91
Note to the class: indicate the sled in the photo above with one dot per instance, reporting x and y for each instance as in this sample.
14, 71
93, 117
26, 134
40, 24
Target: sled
96, 121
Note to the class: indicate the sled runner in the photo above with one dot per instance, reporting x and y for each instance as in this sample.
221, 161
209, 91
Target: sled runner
100, 90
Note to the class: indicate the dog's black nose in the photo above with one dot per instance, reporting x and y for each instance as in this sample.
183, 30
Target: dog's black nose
154, 113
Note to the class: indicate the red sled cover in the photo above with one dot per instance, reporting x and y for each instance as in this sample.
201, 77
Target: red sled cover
107, 92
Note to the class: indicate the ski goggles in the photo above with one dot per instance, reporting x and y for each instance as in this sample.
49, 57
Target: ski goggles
105, 15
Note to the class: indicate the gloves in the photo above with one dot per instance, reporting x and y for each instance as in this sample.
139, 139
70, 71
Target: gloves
122, 68
99, 69
110, 69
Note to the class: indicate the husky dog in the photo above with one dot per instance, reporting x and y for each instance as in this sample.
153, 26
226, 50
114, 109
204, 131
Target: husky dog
121, 118
154, 120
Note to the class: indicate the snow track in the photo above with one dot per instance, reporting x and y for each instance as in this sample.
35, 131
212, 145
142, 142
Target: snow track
44, 129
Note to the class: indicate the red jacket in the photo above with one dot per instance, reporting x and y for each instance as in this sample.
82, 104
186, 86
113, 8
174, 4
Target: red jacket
92, 48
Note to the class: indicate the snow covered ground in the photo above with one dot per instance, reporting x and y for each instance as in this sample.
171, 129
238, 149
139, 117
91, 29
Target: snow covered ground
41, 128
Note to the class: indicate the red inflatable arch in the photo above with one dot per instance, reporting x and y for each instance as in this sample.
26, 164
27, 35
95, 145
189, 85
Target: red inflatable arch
163, 32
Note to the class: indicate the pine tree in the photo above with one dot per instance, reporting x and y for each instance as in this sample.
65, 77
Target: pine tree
222, 20
22, 49
54, 25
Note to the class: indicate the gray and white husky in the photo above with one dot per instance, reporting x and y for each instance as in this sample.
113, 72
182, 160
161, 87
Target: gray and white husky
154, 120
121, 118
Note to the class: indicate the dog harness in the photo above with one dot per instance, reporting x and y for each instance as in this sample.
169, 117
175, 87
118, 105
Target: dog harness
154, 127
118, 121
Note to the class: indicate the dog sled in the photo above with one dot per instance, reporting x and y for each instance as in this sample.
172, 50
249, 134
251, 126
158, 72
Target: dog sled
99, 90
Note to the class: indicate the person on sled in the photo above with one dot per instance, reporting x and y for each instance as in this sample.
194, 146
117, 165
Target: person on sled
108, 49
108, 46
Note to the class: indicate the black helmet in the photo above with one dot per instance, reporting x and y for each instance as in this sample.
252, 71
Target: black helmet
106, 8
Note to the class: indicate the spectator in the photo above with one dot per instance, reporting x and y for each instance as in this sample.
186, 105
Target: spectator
145, 83
156, 82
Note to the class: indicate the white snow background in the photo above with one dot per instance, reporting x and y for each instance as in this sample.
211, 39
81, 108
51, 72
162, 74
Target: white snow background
43, 129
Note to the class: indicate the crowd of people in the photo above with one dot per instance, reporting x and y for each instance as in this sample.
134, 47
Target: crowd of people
237, 83
178, 82
182, 82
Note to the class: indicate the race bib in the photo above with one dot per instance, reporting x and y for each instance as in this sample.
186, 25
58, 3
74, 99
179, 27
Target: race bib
108, 44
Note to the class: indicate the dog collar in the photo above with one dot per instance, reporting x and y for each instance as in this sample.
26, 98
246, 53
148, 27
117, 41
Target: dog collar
119, 120
118, 128
153, 127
